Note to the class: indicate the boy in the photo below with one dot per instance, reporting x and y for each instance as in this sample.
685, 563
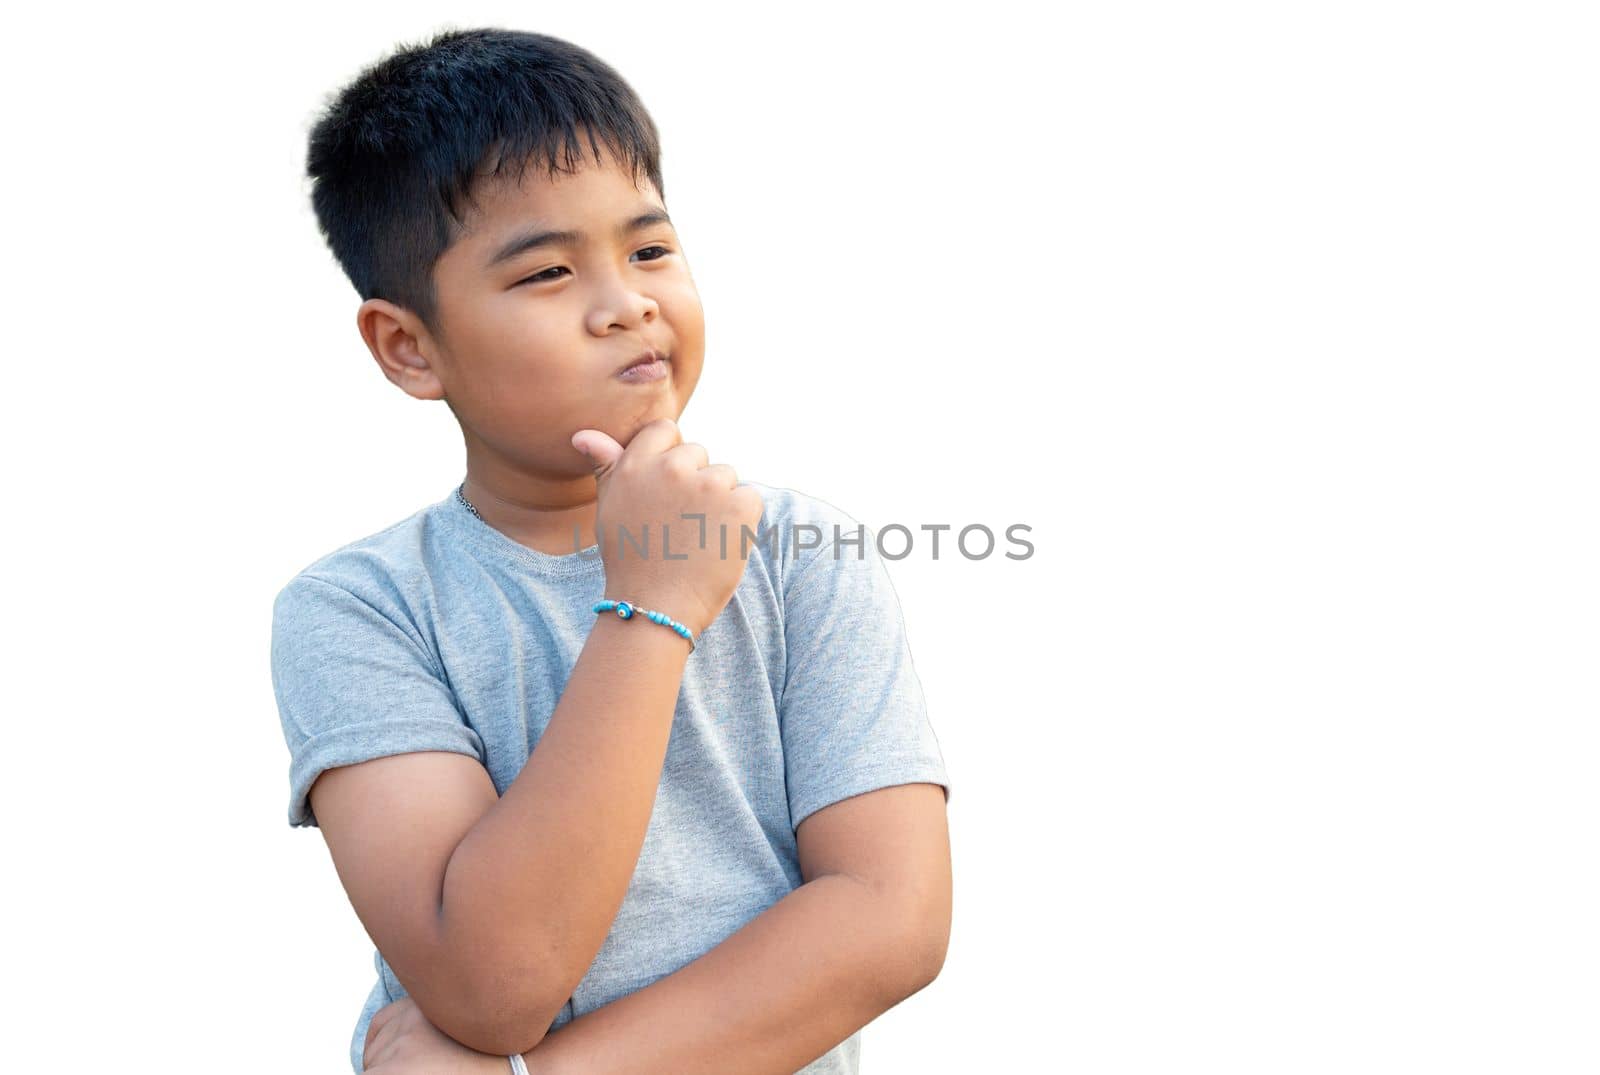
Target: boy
707, 838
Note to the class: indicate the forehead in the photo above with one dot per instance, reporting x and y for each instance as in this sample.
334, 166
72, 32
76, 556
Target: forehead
595, 194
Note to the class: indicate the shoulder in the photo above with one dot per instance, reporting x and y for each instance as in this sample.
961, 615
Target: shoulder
800, 524
385, 569
804, 535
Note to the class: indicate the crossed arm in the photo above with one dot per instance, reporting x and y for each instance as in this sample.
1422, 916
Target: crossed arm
868, 928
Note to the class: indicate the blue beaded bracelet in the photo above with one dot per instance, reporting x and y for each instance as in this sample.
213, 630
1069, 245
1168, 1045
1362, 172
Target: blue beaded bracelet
627, 611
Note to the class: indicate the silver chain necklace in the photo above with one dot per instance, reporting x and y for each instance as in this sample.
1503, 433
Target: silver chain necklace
467, 503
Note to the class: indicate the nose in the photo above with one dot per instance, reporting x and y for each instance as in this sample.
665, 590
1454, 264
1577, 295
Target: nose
621, 306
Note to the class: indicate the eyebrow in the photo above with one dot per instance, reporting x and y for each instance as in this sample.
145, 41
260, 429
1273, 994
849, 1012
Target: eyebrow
535, 238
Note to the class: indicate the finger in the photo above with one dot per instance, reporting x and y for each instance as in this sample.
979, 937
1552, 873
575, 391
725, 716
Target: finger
751, 502
599, 448
369, 1048
656, 437
694, 454
719, 476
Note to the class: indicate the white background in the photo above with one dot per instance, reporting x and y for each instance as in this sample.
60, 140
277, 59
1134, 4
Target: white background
1275, 322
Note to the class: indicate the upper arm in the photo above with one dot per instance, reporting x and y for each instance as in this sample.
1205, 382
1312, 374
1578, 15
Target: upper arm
896, 841
391, 825
382, 760
851, 711
865, 775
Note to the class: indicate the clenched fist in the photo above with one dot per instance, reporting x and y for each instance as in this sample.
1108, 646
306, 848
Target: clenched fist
657, 489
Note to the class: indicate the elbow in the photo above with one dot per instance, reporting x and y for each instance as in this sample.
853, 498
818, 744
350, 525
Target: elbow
506, 1015
907, 963
932, 944
927, 941
914, 938
499, 1030
911, 955
499, 1012
498, 1038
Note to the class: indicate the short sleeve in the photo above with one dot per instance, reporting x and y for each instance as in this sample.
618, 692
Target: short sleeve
353, 684
852, 712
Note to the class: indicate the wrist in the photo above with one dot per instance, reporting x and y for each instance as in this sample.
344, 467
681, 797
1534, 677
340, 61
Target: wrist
679, 609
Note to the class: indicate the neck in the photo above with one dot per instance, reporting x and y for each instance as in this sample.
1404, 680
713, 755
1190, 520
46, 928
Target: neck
536, 510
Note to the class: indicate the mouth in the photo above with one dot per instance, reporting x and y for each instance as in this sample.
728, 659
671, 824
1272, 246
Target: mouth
649, 366
649, 356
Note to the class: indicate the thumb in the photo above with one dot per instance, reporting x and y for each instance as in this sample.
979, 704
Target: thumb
600, 448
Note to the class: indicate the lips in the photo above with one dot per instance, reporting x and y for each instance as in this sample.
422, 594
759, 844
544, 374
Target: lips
652, 355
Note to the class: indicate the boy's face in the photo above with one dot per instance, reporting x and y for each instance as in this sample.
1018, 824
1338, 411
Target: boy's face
531, 338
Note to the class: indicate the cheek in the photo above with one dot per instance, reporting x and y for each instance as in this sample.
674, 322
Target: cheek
677, 293
683, 310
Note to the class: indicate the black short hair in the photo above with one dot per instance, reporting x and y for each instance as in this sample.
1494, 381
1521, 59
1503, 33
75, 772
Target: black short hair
398, 148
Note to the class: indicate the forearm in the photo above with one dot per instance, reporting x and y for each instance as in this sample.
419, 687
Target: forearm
530, 893
792, 983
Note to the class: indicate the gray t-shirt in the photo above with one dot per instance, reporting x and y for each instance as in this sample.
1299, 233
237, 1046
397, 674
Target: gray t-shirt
441, 633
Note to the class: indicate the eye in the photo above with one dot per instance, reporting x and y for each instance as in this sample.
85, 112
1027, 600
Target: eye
536, 277
541, 277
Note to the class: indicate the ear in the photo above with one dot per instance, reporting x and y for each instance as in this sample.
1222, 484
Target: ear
401, 345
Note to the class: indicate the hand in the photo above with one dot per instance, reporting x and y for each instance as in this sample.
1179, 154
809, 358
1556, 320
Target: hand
648, 488
401, 1041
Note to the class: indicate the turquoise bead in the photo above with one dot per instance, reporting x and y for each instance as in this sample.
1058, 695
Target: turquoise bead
627, 610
